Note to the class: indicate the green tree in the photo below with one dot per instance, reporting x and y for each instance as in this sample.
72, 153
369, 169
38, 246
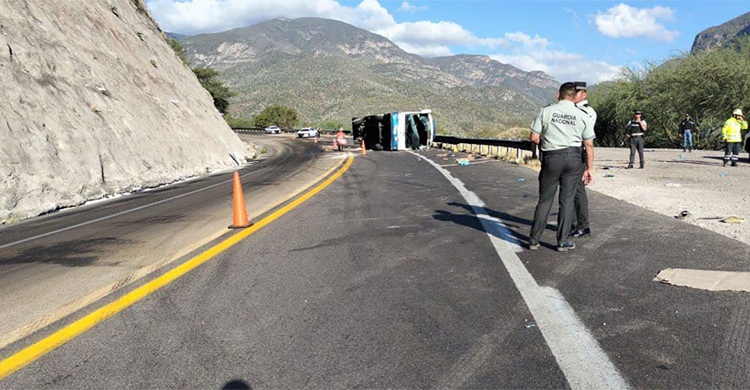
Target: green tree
707, 85
179, 51
219, 91
282, 116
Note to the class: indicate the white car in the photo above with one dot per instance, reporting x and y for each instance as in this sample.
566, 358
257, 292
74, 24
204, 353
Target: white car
307, 132
273, 130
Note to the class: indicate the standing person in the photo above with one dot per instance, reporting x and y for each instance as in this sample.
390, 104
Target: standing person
581, 200
732, 134
634, 130
687, 127
560, 129
340, 139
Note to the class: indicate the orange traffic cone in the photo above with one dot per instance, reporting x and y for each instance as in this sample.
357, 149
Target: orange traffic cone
364, 151
239, 216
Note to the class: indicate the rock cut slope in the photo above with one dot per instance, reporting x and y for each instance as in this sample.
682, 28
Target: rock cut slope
94, 102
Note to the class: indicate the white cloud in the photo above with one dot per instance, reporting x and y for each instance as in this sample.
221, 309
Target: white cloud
536, 53
409, 7
425, 38
624, 21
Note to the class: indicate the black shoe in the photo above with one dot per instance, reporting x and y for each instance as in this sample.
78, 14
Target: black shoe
641, 167
683, 150
629, 167
533, 245
580, 233
566, 246
725, 163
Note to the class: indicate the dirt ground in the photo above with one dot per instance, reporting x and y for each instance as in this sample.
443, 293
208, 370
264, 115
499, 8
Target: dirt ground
674, 181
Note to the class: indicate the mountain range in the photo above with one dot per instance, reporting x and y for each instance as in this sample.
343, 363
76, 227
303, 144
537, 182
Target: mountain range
331, 72
722, 35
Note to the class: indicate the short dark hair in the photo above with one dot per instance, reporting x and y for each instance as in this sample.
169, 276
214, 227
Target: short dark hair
568, 90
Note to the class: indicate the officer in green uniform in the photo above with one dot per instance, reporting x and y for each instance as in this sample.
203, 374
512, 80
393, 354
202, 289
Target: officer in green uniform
560, 129
581, 221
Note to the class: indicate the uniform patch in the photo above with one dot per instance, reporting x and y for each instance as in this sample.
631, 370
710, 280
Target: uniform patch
564, 119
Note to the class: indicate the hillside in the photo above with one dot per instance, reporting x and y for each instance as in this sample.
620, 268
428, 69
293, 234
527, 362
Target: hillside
96, 103
330, 70
721, 35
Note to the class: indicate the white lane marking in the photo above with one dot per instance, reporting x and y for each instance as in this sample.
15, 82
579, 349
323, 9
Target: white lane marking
582, 360
117, 214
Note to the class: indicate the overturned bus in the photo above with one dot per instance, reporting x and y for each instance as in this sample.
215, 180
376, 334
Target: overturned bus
396, 130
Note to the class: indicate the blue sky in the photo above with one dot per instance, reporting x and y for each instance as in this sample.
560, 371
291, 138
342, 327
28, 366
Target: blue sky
587, 40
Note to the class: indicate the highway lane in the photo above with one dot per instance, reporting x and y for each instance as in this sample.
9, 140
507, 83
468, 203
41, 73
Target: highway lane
50, 277
387, 278
358, 287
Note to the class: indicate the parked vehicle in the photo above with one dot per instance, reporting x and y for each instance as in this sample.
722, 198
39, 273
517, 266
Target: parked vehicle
307, 132
273, 130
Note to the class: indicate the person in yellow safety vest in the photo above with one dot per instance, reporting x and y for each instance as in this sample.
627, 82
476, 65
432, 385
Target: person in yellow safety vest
732, 134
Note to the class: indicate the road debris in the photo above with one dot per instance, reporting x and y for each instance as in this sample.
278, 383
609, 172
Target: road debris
520, 179
609, 175
684, 214
529, 326
463, 161
733, 219
673, 185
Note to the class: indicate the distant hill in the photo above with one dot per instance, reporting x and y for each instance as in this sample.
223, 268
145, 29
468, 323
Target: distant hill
719, 36
332, 71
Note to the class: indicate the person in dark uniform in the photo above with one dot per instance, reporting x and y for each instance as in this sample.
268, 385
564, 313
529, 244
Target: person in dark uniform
687, 129
560, 129
581, 203
635, 130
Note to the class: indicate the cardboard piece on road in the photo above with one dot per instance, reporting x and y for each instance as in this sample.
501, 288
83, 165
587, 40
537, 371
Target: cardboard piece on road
705, 280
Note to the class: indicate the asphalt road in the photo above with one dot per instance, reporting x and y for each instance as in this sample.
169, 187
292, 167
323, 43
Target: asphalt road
109, 245
387, 278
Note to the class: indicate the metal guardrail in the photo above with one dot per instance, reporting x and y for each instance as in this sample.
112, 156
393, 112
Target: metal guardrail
462, 143
263, 129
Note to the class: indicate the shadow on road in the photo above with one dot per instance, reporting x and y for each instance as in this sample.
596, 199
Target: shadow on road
510, 235
236, 384
79, 253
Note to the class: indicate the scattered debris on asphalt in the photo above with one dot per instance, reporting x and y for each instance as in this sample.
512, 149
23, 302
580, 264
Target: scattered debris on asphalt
721, 175
673, 185
609, 175
521, 179
733, 220
529, 326
684, 214
463, 161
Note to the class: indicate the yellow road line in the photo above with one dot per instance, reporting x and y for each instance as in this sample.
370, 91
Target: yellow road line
102, 292
49, 343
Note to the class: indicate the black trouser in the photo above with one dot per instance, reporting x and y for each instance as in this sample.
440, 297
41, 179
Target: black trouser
581, 201
636, 143
559, 168
733, 152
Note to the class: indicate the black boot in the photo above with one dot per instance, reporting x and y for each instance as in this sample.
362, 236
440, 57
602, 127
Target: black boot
630, 166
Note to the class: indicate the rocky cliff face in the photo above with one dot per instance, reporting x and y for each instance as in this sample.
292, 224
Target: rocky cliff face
719, 36
94, 102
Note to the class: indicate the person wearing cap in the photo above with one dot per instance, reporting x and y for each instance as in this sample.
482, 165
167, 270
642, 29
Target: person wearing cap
581, 200
634, 130
732, 134
687, 127
560, 129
